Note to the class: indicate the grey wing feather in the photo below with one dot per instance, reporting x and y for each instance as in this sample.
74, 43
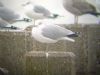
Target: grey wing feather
83, 6
8, 14
69, 5
55, 32
1, 4
78, 7
41, 9
3, 23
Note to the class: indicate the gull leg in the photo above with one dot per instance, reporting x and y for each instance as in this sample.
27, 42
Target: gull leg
64, 45
47, 47
76, 20
34, 23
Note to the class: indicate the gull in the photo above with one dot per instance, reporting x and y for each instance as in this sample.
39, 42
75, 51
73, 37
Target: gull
79, 7
11, 16
3, 71
38, 12
5, 24
52, 33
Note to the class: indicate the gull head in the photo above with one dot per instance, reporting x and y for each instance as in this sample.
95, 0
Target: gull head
27, 6
26, 3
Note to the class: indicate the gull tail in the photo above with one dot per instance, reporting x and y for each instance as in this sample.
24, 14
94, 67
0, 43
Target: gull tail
69, 39
70, 36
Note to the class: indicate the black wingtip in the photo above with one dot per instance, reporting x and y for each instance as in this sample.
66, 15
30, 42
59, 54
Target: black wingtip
94, 13
55, 15
73, 35
11, 27
24, 19
27, 20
